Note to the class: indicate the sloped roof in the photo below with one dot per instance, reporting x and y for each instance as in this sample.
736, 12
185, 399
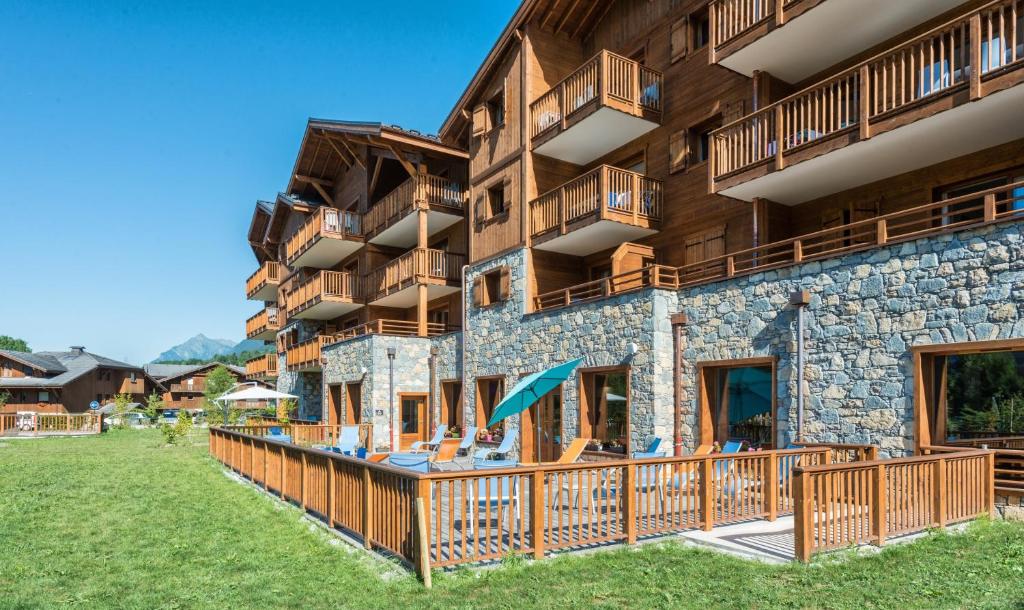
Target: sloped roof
42, 362
72, 365
167, 372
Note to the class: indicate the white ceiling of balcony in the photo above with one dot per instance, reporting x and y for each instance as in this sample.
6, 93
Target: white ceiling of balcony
327, 252
267, 293
328, 310
829, 33
990, 121
594, 237
595, 136
407, 296
402, 234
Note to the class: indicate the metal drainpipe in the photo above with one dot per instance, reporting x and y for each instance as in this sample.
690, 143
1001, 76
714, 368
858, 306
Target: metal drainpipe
465, 384
391, 398
800, 299
435, 417
678, 321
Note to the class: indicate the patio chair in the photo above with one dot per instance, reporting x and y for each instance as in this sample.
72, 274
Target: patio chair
507, 443
571, 455
434, 442
468, 440
417, 462
446, 452
348, 439
653, 450
492, 491
275, 431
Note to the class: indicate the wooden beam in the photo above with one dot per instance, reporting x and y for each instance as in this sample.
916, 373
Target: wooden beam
344, 158
565, 16
583, 20
376, 175
409, 167
551, 12
313, 180
344, 142
323, 193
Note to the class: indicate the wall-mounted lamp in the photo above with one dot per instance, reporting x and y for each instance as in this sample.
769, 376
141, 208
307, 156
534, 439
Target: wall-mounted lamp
632, 348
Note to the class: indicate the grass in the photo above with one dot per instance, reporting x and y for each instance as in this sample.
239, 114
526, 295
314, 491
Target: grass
120, 521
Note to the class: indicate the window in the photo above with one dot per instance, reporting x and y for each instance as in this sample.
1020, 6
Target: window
451, 404
973, 209
492, 287
496, 110
44, 396
700, 29
496, 200
740, 404
489, 392
438, 316
605, 409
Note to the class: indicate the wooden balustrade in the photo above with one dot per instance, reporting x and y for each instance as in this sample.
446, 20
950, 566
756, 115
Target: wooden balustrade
52, 423
607, 79
731, 19
421, 265
839, 505
321, 286
268, 273
306, 355
197, 386
605, 191
303, 433
7, 422
264, 320
859, 99
261, 367
1009, 459
323, 222
845, 453
395, 328
1000, 204
423, 191
479, 515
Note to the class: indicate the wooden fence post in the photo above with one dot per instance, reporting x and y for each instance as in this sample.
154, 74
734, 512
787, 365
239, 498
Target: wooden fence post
422, 531
881, 510
627, 496
302, 481
772, 495
330, 492
367, 503
990, 482
975, 51
939, 493
537, 505
990, 207
283, 470
706, 495
803, 515
864, 83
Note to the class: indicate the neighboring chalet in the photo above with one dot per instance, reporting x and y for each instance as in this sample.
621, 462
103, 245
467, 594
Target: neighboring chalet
67, 382
183, 385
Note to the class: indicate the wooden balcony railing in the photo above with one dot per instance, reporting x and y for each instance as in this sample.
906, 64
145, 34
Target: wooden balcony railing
52, 423
322, 286
198, 385
305, 433
422, 265
859, 100
261, 367
1001, 204
422, 191
731, 20
267, 274
325, 222
395, 328
306, 354
265, 320
607, 192
1009, 459
605, 80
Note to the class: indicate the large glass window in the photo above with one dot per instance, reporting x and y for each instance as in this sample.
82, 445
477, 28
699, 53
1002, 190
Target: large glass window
739, 405
489, 393
982, 395
606, 409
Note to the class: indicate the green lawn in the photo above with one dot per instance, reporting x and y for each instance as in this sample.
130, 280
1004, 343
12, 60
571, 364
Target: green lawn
119, 521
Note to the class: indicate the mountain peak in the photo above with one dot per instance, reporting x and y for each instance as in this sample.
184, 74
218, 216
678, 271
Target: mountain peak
204, 348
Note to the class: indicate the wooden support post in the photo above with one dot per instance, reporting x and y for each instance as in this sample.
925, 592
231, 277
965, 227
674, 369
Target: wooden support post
330, 492
881, 510
730, 266
302, 482
881, 232
263, 452
282, 473
803, 515
634, 199
561, 211
975, 38
990, 482
780, 13
990, 207
627, 496
537, 505
367, 503
771, 497
939, 493
706, 495
864, 119
798, 251
423, 541
780, 138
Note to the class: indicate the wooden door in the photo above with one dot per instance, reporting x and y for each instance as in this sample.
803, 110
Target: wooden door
549, 408
412, 419
353, 403
334, 406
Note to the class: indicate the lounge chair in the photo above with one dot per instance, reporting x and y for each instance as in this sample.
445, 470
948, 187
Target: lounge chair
506, 446
493, 491
275, 431
653, 450
417, 462
468, 440
433, 442
446, 452
348, 439
571, 455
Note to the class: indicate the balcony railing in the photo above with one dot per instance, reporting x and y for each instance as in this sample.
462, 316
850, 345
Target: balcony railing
395, 328
731, 19
196, 386
422, 265
323, 223
265, 320
306, 355
421, 191
605, 80
1000, 204
323, 285
605, 192
862, 101
261, 367
267, 275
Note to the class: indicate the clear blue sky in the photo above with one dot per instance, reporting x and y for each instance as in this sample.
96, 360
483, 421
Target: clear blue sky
137, 136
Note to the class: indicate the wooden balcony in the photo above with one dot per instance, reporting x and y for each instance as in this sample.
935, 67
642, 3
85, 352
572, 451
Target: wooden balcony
788, 40
393, 221
950, 92
607, 102
196, 387
324, 296
1002, 204
601, 209
326, 238
394, 328
264, 325
396, 283
305, 357
262, 285
261, 368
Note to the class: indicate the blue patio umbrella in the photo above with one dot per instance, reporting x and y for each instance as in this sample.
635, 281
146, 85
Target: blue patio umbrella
529, 390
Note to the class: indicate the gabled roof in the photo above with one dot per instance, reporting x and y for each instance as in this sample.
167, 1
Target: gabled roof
74, 363
169, 372
45, 363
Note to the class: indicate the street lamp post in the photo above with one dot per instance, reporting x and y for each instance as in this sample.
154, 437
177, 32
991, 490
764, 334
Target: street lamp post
391, 396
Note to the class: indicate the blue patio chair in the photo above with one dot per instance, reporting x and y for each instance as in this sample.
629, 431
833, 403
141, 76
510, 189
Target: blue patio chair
507, 443
493, 491
652, 451
275, 431
468, 440
433, 442
417, 462
348, 440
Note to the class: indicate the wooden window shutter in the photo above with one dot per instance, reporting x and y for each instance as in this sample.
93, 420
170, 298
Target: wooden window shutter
678, 150
832, 219
506, 196
479, 120
504, 99
714, 242
677, 39
478, 291
506, 283
479, 208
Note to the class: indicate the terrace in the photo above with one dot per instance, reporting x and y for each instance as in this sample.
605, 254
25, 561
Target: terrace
326, 238
261, 368
947, 93
323, 296
996, 205
608, 101
304, 357
262, 285
394, 328
838, 495
395, 284
393, 221
599, 210
263, 326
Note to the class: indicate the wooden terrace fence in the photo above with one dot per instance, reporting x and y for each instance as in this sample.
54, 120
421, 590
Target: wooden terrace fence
840, 505
477, 515
305, 433
54, 423
1009, 460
